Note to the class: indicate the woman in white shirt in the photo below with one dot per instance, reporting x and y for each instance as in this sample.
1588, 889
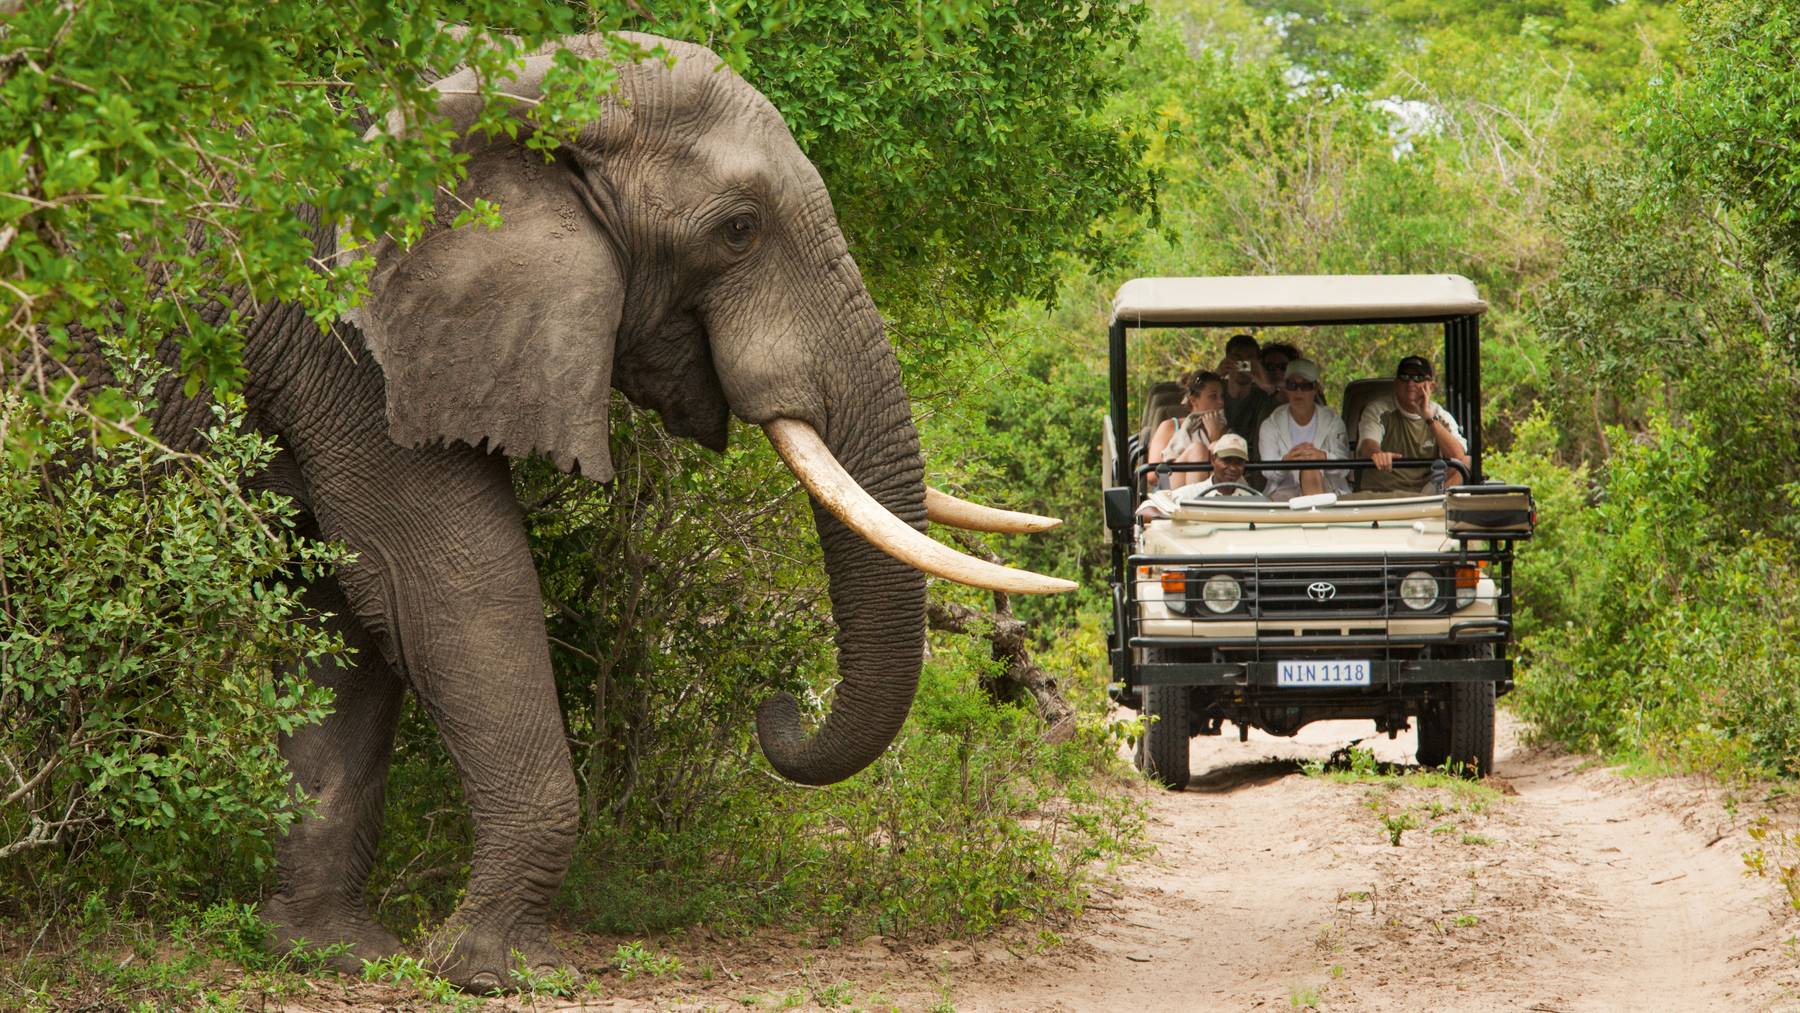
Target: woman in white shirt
1303, 430
1190, 438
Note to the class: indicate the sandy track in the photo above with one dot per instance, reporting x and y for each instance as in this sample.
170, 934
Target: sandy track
1574, 890
1567, 888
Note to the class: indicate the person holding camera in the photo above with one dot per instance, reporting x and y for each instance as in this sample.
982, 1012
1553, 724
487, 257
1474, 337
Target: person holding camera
1249, 393
1190, 438
1303, 430
1408, 424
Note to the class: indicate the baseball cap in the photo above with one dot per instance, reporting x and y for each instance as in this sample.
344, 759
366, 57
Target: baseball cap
1410, 364
1231, 445
1303, 369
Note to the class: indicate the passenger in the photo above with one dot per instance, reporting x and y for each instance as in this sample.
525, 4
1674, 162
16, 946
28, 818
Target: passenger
1190, 437
1303, 430
1275, 359
1229, 453
1408, 424
1249, 396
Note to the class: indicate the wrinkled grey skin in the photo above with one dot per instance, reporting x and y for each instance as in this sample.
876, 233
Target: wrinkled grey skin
682, 250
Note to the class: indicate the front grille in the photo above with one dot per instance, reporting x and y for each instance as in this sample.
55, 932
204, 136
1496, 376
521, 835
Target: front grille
1338, 590
1280, 591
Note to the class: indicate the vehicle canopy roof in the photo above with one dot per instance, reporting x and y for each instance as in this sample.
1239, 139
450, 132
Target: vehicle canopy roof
1295, 299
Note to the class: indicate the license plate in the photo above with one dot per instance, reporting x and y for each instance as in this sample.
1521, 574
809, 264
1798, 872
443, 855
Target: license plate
1321, 673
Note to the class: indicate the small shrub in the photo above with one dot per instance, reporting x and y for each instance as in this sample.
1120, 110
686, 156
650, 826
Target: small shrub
150, 613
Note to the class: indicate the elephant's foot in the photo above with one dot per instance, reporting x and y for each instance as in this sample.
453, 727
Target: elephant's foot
483, 955
316, 926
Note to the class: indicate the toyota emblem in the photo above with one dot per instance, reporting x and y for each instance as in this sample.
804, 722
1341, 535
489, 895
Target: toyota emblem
1320, 590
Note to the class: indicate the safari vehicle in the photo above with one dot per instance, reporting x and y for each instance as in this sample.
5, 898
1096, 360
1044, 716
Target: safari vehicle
1273, 615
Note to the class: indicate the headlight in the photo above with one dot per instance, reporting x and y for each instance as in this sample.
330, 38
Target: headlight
1419, 590
1221, 593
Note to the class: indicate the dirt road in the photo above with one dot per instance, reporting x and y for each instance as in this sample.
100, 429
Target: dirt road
1568, 889
1559, 888
1555, 887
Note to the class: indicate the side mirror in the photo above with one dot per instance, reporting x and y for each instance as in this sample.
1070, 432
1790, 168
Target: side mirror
1489, 511
1118, 507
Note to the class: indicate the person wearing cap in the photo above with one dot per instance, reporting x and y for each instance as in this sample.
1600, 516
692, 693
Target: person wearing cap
1408, 424
1229, 454
1303, 430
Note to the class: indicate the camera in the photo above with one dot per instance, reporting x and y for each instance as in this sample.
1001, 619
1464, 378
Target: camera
1243, 366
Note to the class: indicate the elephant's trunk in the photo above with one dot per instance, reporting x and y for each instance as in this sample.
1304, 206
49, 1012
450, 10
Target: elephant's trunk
877, 602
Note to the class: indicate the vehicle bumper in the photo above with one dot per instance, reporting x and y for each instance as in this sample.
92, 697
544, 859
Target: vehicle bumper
1383, 675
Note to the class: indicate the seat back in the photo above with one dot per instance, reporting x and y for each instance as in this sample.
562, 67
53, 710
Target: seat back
1163, 402
1357, 395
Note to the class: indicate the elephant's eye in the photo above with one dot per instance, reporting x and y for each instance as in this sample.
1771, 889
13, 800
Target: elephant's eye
740, 229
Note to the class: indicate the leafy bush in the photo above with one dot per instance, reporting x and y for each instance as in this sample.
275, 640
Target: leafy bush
149, 602
969, 822
1651, 629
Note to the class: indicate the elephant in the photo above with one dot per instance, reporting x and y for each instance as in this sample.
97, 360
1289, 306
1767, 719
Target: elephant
682, 250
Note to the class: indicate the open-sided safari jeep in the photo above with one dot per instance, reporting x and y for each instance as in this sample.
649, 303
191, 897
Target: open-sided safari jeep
1272, 615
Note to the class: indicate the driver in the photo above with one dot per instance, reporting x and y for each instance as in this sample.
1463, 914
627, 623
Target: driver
1229, 452
1408, 424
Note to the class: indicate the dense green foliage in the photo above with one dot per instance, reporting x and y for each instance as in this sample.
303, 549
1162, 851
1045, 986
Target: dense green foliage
145, 665
1651, 628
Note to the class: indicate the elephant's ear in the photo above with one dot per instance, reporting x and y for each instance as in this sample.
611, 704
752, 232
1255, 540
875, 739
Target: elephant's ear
502, 335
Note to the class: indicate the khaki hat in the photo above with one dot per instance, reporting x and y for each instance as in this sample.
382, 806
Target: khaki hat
1231, 445
1303, 369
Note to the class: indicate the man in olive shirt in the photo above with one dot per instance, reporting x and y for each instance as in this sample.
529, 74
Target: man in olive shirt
1408, 424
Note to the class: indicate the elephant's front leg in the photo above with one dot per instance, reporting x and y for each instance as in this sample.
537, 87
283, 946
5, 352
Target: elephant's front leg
445, 581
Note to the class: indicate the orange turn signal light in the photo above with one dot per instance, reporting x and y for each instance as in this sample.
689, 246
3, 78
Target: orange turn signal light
1174, 581
1467, 576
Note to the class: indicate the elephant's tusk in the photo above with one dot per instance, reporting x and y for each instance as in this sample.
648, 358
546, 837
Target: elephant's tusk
818, 470
943, 508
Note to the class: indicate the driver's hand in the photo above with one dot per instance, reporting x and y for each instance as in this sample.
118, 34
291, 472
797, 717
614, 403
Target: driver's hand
1384, 460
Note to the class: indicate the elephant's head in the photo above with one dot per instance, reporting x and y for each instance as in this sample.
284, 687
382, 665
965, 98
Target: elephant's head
685, 251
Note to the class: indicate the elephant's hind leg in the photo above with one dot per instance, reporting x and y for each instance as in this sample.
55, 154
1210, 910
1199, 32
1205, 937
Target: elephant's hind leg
324, 859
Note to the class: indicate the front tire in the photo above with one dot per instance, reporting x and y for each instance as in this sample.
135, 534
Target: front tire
1162, 752
1463, 729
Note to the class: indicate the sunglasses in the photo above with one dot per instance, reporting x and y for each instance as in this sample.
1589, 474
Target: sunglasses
1275, 367
1415, 377
1299, 385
